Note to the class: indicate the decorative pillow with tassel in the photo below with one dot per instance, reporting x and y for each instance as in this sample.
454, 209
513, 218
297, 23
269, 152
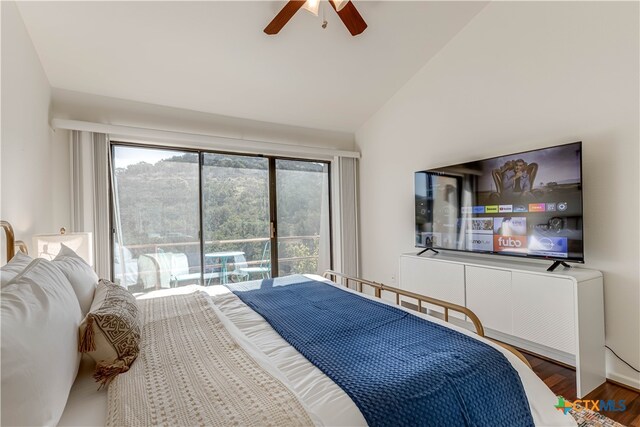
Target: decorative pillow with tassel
110, 333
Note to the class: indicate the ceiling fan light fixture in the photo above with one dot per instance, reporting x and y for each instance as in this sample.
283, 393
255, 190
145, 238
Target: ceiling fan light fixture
340, 4
347, 13
312, 6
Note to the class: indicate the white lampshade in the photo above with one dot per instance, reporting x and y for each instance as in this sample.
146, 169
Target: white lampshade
48, 245
312, 6
340, 4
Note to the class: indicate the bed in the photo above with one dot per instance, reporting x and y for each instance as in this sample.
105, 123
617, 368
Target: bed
323, 401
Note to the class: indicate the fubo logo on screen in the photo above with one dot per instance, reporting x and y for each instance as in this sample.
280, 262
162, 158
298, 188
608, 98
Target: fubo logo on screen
510, 243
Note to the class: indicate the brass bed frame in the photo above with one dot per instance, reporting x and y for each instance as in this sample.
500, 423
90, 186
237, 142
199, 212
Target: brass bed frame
378, 288
11, 241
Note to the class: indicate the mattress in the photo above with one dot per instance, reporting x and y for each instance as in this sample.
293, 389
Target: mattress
326, 402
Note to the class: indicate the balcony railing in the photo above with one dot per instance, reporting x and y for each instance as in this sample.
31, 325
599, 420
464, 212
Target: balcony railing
146, 250
142, 249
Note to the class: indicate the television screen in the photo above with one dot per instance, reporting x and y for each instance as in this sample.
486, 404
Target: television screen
525, 204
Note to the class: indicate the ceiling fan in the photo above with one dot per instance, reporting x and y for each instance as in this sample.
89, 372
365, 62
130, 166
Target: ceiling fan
347, 12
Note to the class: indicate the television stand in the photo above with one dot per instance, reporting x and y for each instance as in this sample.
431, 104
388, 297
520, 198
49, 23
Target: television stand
428, 249
556, 264
520, 304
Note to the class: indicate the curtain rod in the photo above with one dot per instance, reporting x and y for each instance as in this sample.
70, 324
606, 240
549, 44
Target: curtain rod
177, 139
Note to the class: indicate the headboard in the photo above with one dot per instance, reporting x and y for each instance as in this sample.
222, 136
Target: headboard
11, 240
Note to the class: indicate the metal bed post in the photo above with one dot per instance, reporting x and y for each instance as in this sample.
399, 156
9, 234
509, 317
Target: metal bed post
10, 236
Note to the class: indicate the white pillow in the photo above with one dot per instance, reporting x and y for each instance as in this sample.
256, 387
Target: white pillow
40, 317
82, 277
14, 267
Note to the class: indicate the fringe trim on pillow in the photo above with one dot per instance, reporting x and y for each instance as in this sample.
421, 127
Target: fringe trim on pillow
87, 341
106, 371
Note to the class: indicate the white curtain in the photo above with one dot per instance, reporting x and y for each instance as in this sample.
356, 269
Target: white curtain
90, 194
346, 250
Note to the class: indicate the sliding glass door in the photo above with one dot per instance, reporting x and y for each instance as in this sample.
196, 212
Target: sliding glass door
196, 217
236, 218
157, 218
302, 189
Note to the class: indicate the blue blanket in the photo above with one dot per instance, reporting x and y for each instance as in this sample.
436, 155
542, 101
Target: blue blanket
397, 368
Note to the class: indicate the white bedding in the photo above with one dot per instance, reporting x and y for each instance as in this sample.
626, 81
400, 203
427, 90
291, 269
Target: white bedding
86, 406
325, 401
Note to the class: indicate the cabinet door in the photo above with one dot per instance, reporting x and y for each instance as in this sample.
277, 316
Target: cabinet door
489, 297
543, 310
436, 279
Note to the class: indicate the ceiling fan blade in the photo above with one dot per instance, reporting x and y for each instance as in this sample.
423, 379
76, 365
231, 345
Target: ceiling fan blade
351, 18
283, 16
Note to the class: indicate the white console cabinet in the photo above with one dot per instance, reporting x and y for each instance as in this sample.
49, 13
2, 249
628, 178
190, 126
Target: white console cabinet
559, 315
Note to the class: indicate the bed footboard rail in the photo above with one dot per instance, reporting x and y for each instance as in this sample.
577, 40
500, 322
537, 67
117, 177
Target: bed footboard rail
378, 288
421, 299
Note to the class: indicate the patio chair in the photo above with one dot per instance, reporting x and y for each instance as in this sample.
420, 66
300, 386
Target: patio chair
263, 269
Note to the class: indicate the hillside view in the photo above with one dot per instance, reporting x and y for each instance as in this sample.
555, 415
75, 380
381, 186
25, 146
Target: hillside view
157, 211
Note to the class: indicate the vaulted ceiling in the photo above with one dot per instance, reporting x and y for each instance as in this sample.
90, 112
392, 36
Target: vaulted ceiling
213, 56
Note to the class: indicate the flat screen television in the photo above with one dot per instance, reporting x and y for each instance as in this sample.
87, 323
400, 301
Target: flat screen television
525, 204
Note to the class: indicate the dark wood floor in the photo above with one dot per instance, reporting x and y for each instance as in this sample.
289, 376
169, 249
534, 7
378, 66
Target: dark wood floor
562, 381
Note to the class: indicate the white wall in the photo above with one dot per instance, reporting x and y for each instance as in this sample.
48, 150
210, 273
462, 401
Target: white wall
34, 184
522, 76
114, 111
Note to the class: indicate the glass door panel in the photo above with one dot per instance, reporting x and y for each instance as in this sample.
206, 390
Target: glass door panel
156, 218
304, 241
236, 220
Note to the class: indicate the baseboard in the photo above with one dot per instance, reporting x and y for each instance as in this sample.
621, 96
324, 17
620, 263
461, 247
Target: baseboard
624, 381
537, 349
548, 359
637, 390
